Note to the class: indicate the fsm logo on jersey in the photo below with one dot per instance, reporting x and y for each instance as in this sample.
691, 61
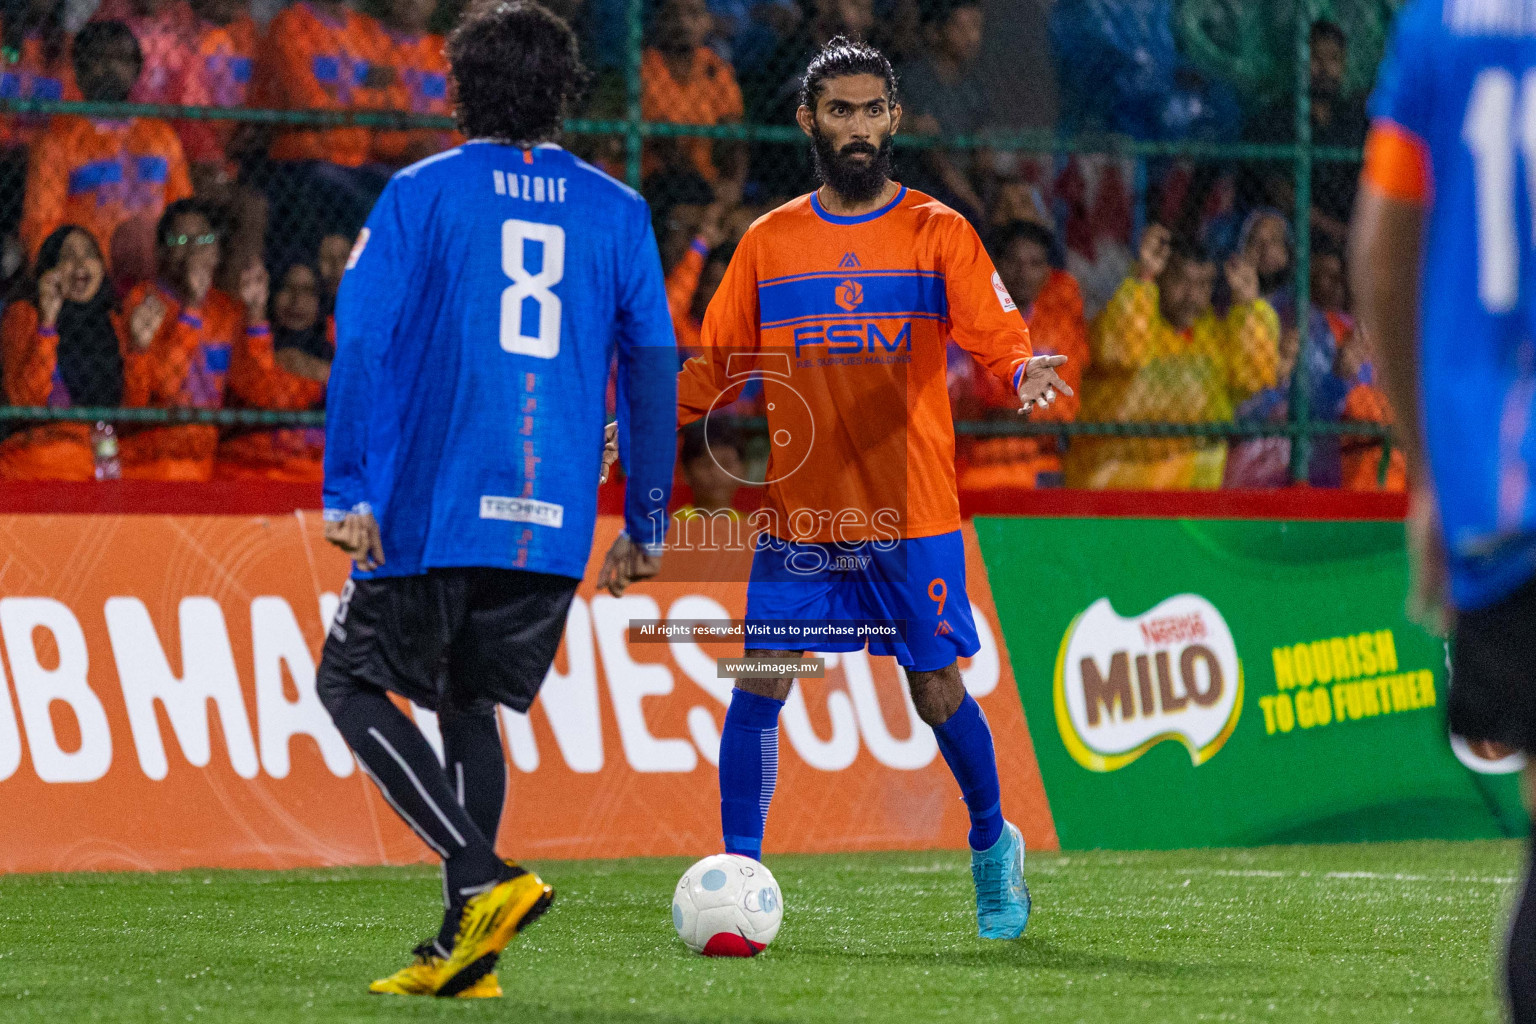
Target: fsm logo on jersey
1125, 684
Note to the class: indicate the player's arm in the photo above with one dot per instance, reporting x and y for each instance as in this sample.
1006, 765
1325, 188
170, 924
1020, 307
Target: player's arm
647, 389
731, 327
1386, 243
1386, 246
985, 322
368, 310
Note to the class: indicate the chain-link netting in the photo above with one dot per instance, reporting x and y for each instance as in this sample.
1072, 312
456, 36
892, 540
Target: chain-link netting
1162, 184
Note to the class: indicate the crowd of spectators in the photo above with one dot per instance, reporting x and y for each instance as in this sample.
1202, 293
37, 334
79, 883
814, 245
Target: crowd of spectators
193, 263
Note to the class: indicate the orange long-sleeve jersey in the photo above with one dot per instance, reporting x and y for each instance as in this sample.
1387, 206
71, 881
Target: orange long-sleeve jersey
312, 61
99, 174
421, 87
219, 76
256, 381
34, 77
189, 359
845, 321
29, 353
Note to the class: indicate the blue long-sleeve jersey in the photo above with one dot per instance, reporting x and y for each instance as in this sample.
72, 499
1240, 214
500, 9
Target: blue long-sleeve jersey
480, 313
1458, 91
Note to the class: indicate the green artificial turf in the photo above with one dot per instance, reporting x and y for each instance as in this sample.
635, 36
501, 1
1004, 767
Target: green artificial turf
1387, 932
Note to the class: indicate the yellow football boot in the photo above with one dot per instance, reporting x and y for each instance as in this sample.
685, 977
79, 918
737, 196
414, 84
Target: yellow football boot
424, 974
489, 922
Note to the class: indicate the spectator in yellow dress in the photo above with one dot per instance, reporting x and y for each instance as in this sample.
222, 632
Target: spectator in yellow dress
1161, 354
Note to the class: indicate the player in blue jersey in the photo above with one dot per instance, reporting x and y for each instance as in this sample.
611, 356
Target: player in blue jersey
486, 299
1445, 272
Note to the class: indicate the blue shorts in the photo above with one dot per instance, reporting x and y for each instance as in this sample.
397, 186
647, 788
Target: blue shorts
918, 582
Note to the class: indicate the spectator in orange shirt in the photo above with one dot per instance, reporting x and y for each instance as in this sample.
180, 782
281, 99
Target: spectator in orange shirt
322, 55
684, 82
689, 327
65, 346
1053, 307
1366, 403
421, 83
111, 177
196, 327
286, 367
34, 49
219, 76
167, 35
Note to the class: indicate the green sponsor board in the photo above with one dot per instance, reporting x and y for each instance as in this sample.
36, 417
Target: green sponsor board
1198, 683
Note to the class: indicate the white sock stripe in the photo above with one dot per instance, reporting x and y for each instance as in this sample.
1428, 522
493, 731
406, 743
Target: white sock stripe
458, 771
381, 741
769, 748
421, 832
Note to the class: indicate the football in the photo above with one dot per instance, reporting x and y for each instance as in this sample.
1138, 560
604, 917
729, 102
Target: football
727, 905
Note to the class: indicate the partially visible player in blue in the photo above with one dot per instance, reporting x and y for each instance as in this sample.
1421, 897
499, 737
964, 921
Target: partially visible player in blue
1445, 273
483, 306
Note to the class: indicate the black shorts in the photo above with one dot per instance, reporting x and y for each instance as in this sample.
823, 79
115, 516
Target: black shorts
470, 636
1493, 672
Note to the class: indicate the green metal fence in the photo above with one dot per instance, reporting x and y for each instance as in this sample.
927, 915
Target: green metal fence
1302, 428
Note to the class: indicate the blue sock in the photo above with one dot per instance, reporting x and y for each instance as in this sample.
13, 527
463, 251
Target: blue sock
965, 740
749, 769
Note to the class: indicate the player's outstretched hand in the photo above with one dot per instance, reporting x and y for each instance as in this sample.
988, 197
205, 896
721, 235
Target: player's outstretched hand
358, 536
610, 449
626, 563
1041, 383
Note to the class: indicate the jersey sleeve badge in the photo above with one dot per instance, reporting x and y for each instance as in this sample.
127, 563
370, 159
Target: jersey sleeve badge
1002, 293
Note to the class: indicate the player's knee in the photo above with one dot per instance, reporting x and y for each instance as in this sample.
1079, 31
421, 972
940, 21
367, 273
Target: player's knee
456, 704
936, 695
773, 689
334, 688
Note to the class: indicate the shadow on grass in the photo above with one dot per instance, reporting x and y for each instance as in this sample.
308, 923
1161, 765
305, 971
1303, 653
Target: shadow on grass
1034, 954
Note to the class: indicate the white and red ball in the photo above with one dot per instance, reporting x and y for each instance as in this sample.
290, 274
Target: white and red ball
727, 905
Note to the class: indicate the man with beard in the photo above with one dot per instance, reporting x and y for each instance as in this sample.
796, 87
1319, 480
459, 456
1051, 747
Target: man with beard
842, 302
1337, 120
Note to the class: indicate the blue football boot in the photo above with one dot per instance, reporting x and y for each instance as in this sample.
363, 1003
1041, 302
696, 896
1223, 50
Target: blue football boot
1002, 898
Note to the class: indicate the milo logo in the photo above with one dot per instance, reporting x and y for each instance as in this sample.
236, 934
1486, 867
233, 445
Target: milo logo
1124, 684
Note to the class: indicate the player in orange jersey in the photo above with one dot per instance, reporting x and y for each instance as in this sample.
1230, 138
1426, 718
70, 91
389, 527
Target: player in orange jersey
102, 173
842, 303
191, 348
